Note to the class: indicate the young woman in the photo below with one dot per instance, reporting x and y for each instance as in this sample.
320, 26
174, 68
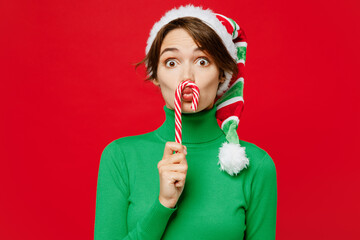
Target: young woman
151, 187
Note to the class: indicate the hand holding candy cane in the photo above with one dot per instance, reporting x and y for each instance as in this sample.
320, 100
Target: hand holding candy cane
173, 167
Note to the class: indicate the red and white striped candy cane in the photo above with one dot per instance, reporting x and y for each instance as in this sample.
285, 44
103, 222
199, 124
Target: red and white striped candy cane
194, 105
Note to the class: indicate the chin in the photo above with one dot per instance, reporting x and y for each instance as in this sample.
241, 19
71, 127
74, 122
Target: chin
186, 108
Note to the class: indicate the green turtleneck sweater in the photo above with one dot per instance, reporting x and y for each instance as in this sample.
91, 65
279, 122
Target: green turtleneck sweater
213, 204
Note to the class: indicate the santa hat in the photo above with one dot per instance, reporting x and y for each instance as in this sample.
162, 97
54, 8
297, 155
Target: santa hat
229, 101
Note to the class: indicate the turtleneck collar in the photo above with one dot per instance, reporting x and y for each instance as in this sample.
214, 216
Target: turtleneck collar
197, 127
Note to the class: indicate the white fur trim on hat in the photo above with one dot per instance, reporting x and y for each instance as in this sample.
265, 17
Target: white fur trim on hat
206, 15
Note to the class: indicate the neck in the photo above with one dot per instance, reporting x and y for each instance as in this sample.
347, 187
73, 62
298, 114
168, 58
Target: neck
197, 127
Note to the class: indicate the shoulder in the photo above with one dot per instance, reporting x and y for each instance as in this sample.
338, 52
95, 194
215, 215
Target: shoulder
128, 141
128, 144
259, 158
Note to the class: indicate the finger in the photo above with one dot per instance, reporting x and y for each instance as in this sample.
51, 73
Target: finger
180, 183
182, 168
177, 158
170, 147
176, 177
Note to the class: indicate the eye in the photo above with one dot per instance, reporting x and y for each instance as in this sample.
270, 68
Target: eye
203, 61
170, 63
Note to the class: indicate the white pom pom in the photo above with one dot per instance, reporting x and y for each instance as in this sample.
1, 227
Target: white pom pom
232, 158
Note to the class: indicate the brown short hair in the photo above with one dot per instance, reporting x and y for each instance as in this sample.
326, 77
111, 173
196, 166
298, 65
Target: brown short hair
203, 35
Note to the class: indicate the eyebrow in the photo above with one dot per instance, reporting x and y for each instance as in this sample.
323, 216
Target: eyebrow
169, 50
176, 50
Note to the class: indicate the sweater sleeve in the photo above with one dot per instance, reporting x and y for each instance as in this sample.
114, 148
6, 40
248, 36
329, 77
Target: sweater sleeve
261, 212
112, 203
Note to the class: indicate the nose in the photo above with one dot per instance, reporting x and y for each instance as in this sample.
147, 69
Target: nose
188, 73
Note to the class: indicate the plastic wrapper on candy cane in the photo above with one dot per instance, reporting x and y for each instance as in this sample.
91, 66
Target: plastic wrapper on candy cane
194, 105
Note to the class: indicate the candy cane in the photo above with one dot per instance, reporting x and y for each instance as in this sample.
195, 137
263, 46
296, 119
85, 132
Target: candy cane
194, 105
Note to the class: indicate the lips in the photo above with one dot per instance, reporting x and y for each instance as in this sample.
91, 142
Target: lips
187, 94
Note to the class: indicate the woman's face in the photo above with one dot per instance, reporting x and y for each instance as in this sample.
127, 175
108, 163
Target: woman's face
180, 60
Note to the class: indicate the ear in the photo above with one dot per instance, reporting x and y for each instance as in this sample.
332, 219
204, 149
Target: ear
156, 82
222, 79
222, 76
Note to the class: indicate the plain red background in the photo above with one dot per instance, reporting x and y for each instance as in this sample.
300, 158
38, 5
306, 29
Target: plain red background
69, 87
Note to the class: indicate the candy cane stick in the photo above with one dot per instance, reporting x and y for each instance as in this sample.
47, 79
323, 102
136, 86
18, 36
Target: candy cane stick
194, 105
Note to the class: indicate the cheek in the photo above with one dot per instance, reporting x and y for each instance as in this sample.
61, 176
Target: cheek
165, 78
210, 80
168, 84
